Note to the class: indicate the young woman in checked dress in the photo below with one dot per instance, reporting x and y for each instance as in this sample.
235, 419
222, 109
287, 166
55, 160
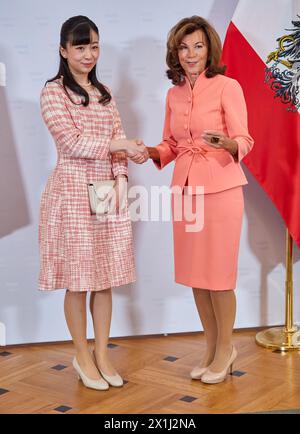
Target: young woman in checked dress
78, 251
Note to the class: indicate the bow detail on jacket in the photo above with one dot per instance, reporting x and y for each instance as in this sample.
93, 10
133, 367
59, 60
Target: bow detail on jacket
193, 150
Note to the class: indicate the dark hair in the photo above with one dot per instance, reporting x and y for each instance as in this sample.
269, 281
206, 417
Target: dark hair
77, 31
186, 26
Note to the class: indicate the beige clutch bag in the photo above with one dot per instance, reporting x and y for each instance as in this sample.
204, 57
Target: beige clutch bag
99, 196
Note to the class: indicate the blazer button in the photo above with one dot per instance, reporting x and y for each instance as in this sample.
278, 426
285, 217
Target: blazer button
186, 113
185, 127
190, 100
189, 141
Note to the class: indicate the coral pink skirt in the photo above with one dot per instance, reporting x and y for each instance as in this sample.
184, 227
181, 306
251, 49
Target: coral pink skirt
208, 258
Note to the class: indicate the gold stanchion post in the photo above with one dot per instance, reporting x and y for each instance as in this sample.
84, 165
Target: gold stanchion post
288, 337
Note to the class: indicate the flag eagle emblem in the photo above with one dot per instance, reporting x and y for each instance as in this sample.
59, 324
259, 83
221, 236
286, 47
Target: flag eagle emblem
283, 74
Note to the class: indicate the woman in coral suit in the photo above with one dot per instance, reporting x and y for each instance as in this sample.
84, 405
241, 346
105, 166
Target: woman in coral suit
206, 133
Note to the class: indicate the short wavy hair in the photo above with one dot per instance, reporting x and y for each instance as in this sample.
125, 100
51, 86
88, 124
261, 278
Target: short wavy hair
184, 27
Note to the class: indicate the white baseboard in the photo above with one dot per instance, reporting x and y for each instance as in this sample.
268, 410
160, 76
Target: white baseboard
2, 335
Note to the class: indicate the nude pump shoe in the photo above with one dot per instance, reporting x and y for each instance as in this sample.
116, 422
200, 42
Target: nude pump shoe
114, 380
88, 382
197, 372
210, 377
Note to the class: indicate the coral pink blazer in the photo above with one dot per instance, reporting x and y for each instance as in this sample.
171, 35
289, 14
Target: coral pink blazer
212, 104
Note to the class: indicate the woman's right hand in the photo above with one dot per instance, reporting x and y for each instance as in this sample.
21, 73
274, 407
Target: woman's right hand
131, 147
134, 149
142, 155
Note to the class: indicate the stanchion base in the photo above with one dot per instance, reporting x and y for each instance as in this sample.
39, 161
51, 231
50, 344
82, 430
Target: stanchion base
278, 338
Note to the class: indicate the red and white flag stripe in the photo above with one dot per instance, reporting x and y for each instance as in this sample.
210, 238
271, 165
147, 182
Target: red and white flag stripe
262, 51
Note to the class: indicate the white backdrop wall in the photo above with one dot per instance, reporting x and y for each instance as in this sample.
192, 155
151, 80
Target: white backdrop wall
133, 35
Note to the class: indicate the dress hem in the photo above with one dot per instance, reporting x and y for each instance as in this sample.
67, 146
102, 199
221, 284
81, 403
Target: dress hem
64, 287
190, 285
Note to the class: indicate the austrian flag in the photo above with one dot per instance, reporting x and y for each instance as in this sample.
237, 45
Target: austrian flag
262, 51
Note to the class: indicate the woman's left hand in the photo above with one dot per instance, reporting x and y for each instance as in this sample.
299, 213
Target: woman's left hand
218, 140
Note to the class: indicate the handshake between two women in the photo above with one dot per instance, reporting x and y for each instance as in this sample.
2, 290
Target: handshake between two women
133, 149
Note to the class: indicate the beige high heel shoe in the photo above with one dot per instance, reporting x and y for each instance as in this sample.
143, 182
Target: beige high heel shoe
114, 380
197, 372
88, 382
210, 377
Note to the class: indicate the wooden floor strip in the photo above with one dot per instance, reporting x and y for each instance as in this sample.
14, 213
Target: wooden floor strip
38, 379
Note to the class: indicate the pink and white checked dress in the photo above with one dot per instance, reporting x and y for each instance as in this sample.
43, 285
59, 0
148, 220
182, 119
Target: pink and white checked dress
78, 252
